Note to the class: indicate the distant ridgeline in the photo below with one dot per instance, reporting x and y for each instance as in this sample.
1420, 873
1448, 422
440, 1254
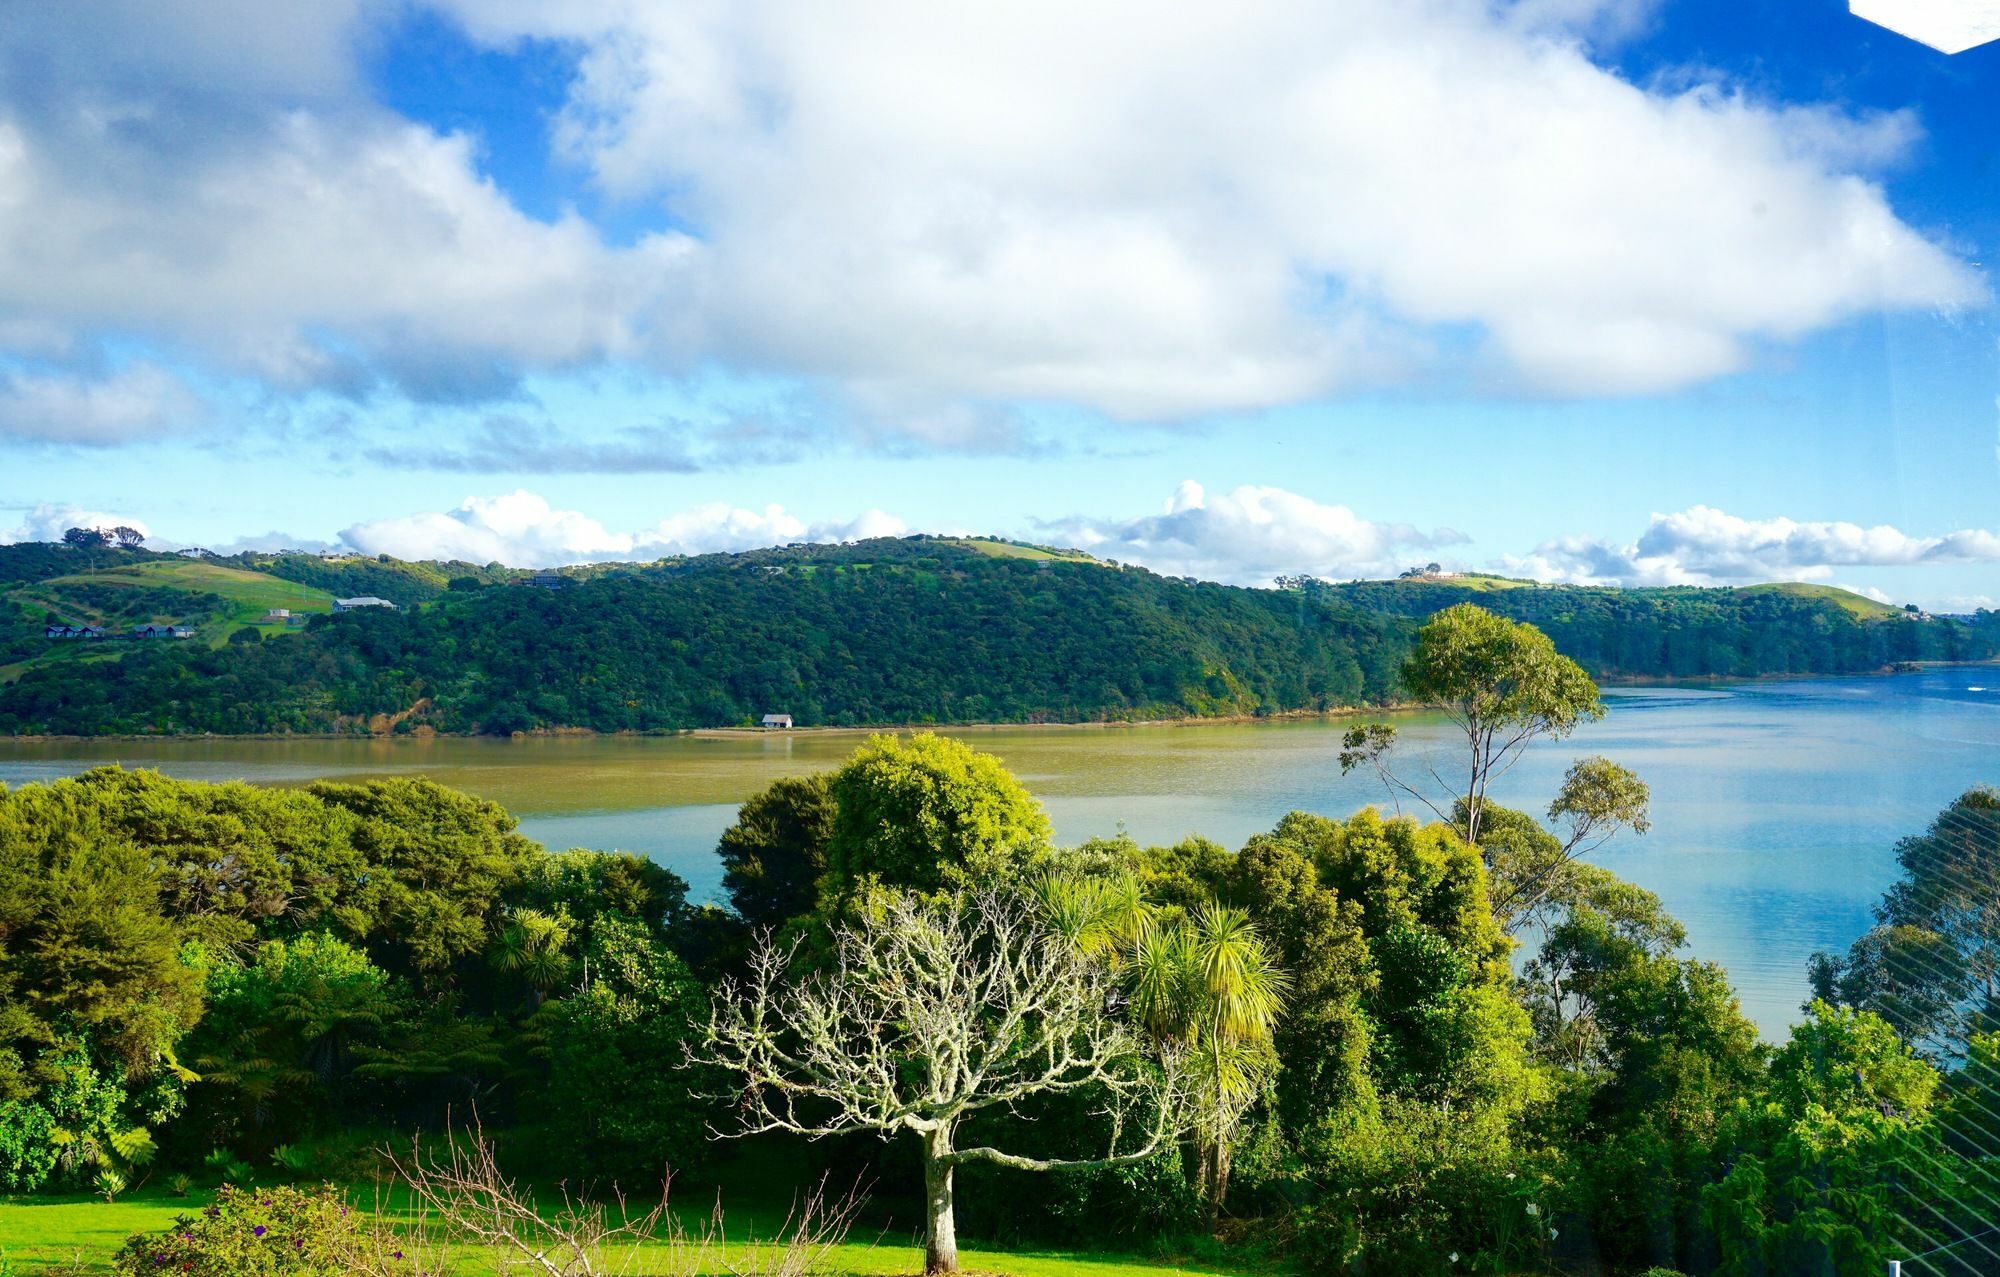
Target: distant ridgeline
891, 631
1686, 631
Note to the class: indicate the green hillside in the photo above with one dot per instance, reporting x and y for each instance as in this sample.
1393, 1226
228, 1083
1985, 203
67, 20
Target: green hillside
1692, 631
181, 591
891, 631
1000, 549
1858, 604
121, 590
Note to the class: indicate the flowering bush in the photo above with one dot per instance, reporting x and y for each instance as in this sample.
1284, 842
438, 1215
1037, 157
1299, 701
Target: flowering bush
264, 1232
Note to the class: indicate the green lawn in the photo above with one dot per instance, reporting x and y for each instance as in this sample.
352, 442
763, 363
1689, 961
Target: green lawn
48, 1235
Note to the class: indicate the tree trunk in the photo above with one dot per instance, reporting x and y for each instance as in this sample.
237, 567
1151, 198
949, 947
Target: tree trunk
1212, 1176
941, 1233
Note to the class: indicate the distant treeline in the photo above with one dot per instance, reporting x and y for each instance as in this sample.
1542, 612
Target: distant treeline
916, 630
1693, 632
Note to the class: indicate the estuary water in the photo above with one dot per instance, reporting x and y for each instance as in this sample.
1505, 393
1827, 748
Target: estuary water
1776, 805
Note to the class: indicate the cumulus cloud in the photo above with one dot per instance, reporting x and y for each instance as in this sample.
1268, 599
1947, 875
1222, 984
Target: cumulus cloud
1249, 535
1250, 204
141, 401
322, 254
945, 208
521, 529
1705, 546
48, 522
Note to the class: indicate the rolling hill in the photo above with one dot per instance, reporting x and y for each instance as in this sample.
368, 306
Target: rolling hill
891, 631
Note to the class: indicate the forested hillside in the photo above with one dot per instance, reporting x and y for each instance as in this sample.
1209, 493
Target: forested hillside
1693, 632
887, 631
916, 630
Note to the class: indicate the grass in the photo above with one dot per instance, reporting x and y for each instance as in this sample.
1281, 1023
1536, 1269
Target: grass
52, 1235
1476, 581
1020, 550
1859, 605
249, 595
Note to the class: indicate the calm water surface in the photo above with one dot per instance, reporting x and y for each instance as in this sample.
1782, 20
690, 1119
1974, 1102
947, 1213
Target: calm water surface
1776, 806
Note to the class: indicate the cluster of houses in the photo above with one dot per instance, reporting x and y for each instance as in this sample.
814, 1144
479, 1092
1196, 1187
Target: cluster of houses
276, 616
62, 630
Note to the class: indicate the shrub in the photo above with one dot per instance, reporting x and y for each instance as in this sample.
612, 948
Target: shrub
267, 1232
228, 1168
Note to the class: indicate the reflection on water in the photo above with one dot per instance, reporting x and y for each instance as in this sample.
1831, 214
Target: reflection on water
1776, 805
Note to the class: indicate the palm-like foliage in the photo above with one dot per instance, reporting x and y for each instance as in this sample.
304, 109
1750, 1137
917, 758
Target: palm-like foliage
1241, 986
1206, 982
1100, 917
532, 945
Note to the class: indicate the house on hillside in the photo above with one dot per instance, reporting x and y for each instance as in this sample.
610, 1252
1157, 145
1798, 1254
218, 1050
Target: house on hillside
277, 616
548, 580
366, 600
164, 632
780, 721
60, 630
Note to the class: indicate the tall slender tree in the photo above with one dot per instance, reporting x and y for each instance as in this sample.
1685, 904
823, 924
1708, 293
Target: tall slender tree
1501, 682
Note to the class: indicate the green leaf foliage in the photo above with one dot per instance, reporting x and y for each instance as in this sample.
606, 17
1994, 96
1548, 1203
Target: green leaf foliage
927, 812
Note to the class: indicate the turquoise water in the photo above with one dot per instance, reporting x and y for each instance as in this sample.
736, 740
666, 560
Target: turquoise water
1776, 806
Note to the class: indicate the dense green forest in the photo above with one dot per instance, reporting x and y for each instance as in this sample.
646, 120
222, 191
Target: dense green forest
1693, 631
1359, 1044
911, 631
205, 984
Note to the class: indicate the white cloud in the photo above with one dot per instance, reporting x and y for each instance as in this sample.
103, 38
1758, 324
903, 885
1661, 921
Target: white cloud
314, 252
943, 208
521, 529
1705, 546
48, 522
140, 401
1239, 204
1250, 535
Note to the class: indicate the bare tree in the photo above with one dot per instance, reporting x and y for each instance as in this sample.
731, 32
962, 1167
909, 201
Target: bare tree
931, 1012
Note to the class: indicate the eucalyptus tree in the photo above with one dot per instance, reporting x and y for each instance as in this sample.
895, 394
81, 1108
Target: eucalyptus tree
1531, 867
1501, 682
930, 1012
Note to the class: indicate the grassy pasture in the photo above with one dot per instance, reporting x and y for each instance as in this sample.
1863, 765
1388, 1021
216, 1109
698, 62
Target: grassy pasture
1857, 604
248, 595
43, 1236
1017, 550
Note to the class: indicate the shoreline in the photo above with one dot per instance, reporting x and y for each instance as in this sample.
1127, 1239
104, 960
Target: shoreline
735, 733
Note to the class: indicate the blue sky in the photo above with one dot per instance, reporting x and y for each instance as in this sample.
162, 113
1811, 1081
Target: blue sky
1684, 291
